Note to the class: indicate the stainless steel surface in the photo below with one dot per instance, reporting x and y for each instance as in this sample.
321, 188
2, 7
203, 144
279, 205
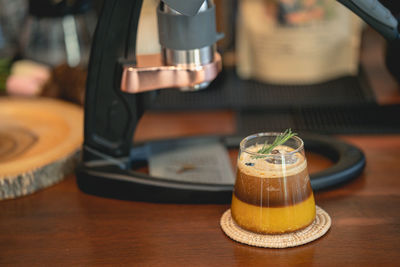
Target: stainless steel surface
203, 7
151, 74
194, 57
189, 57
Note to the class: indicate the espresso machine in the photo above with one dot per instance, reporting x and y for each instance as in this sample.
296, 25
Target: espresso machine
119, 82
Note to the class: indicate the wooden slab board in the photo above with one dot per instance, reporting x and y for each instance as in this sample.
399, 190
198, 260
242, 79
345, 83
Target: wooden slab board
40, 140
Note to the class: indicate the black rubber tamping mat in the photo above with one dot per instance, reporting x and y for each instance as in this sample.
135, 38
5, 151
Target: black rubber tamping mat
229, 91
354, 119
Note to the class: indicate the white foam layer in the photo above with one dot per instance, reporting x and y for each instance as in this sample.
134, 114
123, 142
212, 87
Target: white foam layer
262, 168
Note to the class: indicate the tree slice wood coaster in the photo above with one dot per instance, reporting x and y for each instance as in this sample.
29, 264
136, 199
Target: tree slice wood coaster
40, 140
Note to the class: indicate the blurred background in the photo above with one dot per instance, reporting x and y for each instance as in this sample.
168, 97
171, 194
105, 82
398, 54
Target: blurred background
45, 45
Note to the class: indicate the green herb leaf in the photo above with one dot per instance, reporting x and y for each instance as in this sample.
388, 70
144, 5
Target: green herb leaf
279, 140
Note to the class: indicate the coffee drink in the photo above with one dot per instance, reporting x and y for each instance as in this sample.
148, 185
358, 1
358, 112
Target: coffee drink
272, 192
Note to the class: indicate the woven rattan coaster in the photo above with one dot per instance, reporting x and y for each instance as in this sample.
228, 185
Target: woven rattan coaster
318, 228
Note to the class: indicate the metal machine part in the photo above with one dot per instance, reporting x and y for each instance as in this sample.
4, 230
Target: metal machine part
150, 73
204, 6
192, 57
189, 64
376, 15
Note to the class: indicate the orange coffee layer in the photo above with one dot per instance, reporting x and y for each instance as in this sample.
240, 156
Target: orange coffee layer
276, 220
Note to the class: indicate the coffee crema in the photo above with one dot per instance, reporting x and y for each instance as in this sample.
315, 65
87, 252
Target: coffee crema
273, 196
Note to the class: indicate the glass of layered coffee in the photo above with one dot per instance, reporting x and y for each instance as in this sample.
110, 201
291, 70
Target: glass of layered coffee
272, 193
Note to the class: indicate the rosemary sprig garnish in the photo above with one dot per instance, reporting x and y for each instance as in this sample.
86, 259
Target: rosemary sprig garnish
279, 140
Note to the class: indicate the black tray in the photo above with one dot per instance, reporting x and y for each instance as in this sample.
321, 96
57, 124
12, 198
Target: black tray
230, 92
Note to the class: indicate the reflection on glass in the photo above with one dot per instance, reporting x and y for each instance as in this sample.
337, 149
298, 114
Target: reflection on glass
272, 193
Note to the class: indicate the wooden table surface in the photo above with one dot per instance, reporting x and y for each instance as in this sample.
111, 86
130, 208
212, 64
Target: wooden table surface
63, 226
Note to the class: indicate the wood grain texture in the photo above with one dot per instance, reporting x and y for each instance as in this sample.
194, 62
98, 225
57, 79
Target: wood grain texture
40, 141
63, 226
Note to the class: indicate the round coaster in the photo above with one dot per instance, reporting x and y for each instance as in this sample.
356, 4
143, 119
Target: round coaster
318, 228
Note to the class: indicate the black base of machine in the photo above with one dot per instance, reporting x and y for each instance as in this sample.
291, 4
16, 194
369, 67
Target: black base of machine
108, 180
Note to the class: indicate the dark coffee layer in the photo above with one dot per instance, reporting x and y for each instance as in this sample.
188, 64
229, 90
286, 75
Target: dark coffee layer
273, 192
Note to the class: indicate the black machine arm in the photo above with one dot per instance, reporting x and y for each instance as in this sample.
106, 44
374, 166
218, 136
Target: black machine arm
376, 15
111, 115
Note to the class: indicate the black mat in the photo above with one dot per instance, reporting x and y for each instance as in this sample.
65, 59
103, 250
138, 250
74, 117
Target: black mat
228, 91
355, 119
341, 106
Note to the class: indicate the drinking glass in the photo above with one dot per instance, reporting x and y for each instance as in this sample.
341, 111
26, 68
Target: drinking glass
272, 193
